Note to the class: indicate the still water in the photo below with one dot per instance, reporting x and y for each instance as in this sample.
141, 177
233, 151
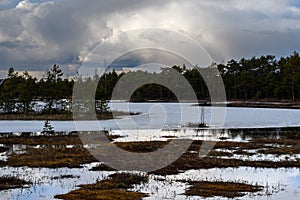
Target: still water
278, 184
169, 116
158, 121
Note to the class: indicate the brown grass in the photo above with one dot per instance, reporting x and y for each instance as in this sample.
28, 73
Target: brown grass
192, 161
112, 188
280, 150
220, 154
55, 154
142, 147
64, 116
222, 189
102, 167
42, 140
60, 139
281, 141
51, 157
83, 194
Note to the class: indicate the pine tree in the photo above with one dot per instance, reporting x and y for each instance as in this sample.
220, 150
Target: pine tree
54, 90
48, 128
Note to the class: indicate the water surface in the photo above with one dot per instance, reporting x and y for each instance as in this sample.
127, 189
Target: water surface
168, 116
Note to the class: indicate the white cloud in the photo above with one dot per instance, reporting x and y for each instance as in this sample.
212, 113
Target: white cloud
37, 35
26, 5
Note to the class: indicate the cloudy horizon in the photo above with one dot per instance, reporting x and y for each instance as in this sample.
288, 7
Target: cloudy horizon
35, 34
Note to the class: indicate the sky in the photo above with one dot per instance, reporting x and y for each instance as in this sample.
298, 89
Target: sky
35, 34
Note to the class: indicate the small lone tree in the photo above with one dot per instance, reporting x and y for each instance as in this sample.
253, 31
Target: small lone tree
48, 128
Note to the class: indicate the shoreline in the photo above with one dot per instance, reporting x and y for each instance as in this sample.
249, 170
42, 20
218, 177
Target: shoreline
68, 116
284, 104
252, 104
63, 116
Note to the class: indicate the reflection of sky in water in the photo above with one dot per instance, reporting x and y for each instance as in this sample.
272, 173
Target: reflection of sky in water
280, 183
276, 181
47, 187
296, 179
170, 115
181, 114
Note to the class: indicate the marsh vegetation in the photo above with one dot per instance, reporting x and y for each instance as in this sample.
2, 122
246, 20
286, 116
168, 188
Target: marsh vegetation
65, 151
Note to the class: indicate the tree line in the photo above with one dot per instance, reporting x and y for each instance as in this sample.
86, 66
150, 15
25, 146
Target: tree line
18, 91
257, 78
262, 78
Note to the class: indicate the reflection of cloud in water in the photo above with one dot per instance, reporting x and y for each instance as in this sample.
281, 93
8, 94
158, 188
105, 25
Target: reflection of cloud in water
280, 183
46, 186
277, 182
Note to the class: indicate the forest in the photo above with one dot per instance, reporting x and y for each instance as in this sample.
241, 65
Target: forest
256, 78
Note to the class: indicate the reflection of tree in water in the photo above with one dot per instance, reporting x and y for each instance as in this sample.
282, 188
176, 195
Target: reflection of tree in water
265, 133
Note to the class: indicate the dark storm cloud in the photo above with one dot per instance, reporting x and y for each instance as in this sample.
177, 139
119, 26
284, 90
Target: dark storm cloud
144, 56
38, 35
33, 36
